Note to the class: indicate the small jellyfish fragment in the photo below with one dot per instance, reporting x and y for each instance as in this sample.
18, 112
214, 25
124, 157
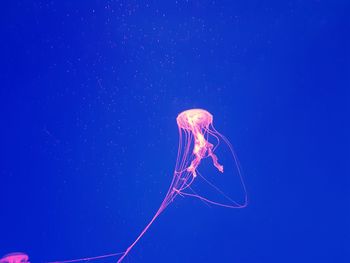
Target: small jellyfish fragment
16, 257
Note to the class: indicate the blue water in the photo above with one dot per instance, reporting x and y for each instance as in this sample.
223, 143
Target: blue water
90, 92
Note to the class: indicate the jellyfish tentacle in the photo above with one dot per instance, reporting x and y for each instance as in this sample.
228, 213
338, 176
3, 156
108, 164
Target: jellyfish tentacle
236, 161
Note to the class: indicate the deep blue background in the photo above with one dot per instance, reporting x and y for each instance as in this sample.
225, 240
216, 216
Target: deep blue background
89, 95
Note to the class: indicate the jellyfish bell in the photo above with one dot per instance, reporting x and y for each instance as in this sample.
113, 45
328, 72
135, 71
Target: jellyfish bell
16, 257
194, 118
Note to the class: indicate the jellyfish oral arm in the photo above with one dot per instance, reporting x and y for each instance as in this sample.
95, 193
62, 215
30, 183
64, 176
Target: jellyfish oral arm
200, 149
215, 158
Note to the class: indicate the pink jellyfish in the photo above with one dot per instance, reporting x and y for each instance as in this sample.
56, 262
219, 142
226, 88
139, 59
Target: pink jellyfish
195, 129
16, 257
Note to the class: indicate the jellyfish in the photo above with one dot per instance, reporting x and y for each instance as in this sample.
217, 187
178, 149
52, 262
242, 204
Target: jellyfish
16, 257
195, 131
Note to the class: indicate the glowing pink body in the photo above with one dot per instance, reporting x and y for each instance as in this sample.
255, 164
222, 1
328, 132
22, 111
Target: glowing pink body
16, 257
